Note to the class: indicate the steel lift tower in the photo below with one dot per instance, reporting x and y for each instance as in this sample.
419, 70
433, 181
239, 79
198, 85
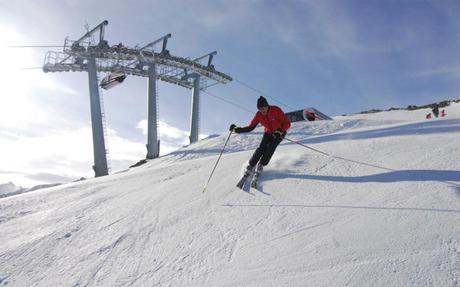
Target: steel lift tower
94, 55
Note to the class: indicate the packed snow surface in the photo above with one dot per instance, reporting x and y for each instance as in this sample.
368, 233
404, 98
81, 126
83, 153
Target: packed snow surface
382, 210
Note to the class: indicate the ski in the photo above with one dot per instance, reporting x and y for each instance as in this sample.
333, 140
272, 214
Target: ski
241, 185
255, 178
247, 173
242, 181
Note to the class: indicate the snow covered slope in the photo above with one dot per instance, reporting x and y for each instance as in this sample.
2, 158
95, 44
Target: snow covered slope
384, 210
8, 188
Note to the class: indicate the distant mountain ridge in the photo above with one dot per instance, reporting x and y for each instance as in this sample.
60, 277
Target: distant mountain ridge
10, 189
441, 104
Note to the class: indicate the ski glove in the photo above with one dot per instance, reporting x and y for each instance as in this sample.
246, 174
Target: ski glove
279, 134
235, 129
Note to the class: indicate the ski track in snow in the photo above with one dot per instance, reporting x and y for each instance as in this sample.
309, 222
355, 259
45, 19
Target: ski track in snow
383, 211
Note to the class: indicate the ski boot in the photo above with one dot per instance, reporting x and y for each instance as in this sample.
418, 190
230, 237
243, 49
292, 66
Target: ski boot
247, 173
257, 173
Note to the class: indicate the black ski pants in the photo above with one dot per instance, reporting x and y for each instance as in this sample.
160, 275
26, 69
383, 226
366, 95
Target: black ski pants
264, 152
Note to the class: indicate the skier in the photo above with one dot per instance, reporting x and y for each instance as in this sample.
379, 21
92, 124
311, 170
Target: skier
276, 124
435, 110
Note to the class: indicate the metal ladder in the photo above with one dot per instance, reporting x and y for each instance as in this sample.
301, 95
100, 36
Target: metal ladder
104, 125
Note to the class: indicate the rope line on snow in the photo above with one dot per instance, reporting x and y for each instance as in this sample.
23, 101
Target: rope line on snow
339, 157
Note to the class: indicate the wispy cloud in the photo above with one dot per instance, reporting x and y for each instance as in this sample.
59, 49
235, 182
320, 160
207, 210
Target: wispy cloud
212, 16
60, 155
171, 138
19, 106
316, 29
452, 71
123, 149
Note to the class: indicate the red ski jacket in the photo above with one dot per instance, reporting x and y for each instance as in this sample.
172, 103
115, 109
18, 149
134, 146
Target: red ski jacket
275, 119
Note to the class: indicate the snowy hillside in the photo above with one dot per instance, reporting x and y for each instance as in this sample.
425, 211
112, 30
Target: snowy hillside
384, 210
8, 187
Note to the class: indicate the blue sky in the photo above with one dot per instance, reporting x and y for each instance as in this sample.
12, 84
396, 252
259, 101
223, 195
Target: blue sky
338, 56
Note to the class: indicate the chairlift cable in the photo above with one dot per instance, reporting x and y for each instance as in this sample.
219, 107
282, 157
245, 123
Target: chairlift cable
35, 46
261, 93
31, 68
228, 102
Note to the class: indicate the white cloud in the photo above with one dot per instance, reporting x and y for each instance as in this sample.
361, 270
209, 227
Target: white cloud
122, 149
165, 130
57, 155
224, 15
19, 105
61, 154
171, 138
325, 30
67, 153
322, 29
448, 70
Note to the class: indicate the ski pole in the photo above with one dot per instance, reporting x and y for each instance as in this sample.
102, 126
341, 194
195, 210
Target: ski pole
296, 142
218, 159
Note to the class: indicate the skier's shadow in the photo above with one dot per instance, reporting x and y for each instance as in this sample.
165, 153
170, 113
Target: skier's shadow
247, 188
260, 189
386, 177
